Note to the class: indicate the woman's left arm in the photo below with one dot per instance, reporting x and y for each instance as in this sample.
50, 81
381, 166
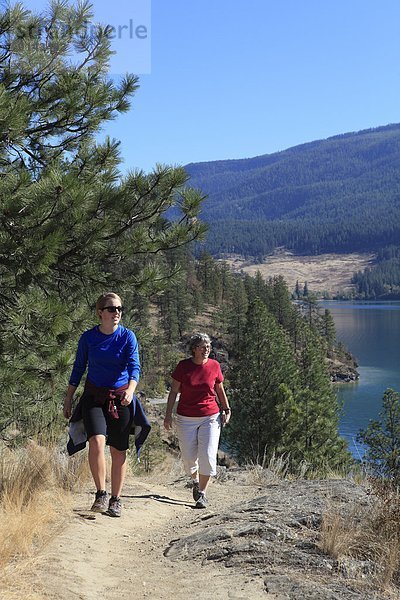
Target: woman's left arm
223, 401
133, 367
127, 395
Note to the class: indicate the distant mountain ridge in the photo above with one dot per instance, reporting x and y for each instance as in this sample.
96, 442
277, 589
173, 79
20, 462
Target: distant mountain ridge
341, 194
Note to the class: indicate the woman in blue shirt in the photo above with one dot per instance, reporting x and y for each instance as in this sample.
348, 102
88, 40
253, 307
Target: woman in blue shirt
110, 354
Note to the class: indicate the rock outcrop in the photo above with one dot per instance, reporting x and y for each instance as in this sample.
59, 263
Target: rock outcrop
277, 536
342, 372
342, 366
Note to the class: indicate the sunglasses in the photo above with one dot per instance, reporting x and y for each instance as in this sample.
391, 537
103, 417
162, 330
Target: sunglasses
113, 309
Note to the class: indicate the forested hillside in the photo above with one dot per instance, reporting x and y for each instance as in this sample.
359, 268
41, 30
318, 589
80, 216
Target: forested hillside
341, 194
293, 409
383, 281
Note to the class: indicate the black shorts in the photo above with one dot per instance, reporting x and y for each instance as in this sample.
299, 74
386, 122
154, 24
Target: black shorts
98, 421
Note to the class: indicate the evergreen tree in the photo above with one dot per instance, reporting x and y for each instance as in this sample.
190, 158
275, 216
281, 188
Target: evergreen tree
310, 308
249, 286
280, 302
328, 330
315, 438
193, 284
226, 281
221, 313
71, 225
178, 302
282, 397
205, 273
265, 362
382, 438
259, 285
237, 315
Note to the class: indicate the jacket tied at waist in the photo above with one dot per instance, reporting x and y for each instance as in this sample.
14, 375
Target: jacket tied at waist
140, 427
104, 395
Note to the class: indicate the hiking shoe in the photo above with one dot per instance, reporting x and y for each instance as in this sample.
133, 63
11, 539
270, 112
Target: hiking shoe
201, 501
196, 491
101, 502
114, 507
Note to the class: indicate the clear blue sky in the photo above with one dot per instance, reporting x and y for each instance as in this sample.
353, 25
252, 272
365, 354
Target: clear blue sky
240, 78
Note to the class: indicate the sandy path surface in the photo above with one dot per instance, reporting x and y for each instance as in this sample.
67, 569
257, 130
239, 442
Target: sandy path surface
97, 556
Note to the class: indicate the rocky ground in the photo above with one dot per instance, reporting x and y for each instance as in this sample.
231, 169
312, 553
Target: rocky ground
275, 538
258, 539
343, 370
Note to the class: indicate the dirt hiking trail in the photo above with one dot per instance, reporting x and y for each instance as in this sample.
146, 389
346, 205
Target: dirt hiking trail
97, 556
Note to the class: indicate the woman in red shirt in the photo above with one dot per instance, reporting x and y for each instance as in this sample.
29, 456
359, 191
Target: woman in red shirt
202, 408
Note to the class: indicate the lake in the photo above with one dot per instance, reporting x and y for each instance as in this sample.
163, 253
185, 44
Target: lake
371, 331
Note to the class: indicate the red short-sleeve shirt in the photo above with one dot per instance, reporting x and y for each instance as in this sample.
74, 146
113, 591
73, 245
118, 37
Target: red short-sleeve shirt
197, 394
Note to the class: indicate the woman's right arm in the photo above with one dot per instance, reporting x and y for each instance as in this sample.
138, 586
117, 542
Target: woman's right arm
78, 370
69, 396
175, 389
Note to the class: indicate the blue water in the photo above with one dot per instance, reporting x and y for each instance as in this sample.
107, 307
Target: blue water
371, 331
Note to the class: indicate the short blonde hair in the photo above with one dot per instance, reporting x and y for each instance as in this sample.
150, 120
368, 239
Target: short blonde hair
102, 300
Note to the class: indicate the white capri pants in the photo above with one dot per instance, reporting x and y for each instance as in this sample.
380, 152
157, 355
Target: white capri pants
198, 442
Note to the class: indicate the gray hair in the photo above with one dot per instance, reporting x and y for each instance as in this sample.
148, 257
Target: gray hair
196, 339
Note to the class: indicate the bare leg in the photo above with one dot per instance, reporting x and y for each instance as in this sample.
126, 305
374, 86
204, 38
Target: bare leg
195, 476
203, 482
97, 460
118, 470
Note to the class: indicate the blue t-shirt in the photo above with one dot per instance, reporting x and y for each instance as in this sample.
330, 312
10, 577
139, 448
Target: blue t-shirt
112, 360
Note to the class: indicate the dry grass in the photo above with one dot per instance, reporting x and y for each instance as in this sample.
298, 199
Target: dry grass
338, 539
370, 536
324, 273
264, 472
34, 493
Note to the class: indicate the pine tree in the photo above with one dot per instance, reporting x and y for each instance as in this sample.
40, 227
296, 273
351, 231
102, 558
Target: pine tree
382, 438
71, 225
328, 329
316, 438
280, 302
265, 362
205, 273
237, 315
226, 281
311, 309
282, 399
259, 285
221, 316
